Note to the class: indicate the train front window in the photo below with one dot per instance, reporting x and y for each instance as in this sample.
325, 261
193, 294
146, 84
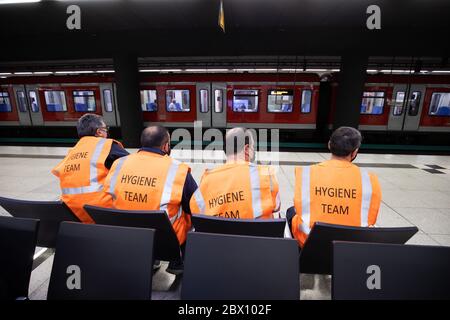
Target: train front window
245, 100
218, 101
440, 104
107, 100
398, 103
204, 98
306, 101
33, 101
84, 101
55, 101
149, 101
280, 101
414, 102
5, 103
372, 102
177, 101
21, 101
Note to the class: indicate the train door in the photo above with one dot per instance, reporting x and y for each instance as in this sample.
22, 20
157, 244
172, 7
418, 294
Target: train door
108, 105
398, 102
219, 105
203, 104
414, 105
34, 105
27, 105
406, 107
22, 105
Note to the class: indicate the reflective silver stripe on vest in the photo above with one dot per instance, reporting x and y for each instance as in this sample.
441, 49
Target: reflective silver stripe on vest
94, 160
167, 192
256, 191
115, 177
176, 217
93, 173
200, 201
366, 197
306, 201
79, 190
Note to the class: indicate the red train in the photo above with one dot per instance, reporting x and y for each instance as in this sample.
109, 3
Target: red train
390, 103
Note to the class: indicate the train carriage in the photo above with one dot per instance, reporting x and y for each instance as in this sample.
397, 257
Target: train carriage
289, 102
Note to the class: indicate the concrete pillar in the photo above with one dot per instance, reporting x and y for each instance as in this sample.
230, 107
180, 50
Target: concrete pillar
128, 99
351, 86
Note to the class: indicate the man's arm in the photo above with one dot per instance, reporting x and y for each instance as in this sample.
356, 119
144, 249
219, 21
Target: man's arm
188, 190
115, 153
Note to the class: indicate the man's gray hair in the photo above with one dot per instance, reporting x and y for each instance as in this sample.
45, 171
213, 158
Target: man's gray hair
88, 124
344, 141
236, 139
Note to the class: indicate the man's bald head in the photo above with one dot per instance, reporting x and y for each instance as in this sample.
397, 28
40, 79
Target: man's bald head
236, 139
154, 137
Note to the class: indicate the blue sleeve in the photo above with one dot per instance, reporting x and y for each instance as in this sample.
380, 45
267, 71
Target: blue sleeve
115, 153
188, 190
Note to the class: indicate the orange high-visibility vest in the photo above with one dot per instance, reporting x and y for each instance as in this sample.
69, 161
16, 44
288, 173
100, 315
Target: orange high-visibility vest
82, 174
150, 181
336, 192
240, 190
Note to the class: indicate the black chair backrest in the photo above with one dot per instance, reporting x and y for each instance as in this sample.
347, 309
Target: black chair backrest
167, 247
95, 262
385, 271
258, 228
50, 214
316, 255
17, 246
239, 267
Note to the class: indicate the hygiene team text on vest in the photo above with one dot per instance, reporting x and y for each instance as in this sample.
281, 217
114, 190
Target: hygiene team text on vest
330, 192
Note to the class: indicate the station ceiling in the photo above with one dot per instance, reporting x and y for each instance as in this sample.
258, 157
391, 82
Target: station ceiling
178, 28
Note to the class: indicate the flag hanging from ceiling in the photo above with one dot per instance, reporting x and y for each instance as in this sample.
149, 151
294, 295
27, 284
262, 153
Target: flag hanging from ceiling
221, 17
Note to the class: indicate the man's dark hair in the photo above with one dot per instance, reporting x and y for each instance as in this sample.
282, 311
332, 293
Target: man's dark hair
154, 137
88, 124
236, 139
344, 141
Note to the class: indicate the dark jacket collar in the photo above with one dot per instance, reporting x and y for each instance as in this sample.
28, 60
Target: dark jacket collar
154, 150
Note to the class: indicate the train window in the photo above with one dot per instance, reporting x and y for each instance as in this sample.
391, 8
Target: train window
33, 101
440, 104
149, 100
414, 102
204, 107
280, 101
306, 101
22, 102
245, 101
84, 101
107, 99
398, 104
5, 103
218, 101
55, 101
372, 102
177, 101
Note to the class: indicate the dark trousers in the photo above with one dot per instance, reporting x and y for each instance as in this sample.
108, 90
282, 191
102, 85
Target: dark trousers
290, 213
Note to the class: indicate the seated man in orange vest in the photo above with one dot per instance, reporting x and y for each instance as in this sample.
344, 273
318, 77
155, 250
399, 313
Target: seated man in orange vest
238, 189
151, 180
335, 191
84, 169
